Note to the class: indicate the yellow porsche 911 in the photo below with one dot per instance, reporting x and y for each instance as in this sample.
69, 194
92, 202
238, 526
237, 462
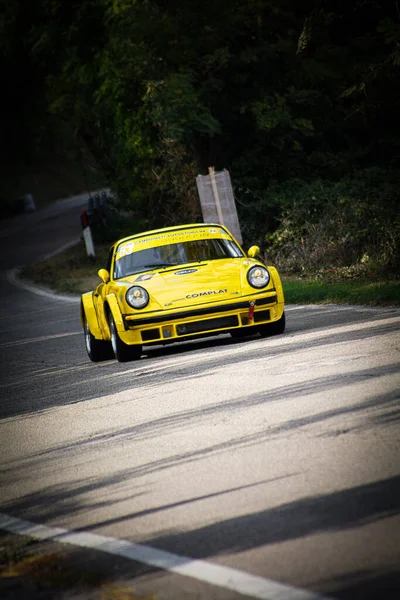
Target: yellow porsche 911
175, 284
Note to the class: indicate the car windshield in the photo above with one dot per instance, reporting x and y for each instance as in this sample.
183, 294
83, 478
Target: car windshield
175, 254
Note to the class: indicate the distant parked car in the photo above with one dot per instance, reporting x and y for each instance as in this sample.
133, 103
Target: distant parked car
175, 284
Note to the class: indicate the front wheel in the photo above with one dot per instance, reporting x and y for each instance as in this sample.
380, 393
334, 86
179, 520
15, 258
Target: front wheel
274, 328
123, 352
97, 350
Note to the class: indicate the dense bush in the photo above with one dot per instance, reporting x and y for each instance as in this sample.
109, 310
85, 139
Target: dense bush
349, 228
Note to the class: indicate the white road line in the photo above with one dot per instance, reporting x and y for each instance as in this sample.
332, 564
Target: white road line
226, 577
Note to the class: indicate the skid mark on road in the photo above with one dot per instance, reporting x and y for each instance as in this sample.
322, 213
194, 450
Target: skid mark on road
42, 338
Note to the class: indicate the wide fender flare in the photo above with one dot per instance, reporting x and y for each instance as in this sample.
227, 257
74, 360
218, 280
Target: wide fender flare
277, 284
115, 311
88, 310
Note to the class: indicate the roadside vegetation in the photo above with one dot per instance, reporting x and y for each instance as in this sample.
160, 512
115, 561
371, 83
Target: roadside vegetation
299, 101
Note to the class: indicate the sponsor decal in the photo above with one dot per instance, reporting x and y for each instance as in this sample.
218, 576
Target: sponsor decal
180, 236
124, 250
209, 293
145, 277
172, 236
185, 271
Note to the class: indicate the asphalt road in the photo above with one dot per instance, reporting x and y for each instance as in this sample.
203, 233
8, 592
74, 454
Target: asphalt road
278, 458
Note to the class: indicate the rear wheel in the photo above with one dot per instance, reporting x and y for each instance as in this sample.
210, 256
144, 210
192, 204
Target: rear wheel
123, 352
273, 328
97, 350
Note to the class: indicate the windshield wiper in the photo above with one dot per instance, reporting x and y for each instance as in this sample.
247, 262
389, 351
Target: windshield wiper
159, 265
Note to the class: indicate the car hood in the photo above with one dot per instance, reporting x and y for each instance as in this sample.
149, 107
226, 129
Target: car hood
193, 284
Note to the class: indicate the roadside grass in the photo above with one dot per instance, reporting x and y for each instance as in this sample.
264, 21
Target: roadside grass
355, 291
73, 272
70, 272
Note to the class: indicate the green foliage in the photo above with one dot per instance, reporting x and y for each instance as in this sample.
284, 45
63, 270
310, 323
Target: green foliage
176, 109
333, 225
298, 100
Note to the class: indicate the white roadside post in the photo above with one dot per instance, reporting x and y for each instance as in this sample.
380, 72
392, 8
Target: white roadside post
28, 203
87, 233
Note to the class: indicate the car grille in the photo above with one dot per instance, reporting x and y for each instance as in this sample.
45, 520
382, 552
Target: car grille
261, 315
207, 325
151, 334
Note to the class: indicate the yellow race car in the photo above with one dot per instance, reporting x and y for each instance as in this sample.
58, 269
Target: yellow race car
175, 284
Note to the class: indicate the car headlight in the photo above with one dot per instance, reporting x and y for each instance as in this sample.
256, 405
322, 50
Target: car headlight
137, 297
258, 277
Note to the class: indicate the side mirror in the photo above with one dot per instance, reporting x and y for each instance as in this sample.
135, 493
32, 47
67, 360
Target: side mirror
253, 251
104, 275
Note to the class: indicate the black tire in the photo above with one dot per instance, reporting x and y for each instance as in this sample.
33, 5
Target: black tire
97, 350
123, 352
275, 328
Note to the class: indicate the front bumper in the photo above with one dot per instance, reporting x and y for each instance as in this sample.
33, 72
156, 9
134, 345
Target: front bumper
161, 327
